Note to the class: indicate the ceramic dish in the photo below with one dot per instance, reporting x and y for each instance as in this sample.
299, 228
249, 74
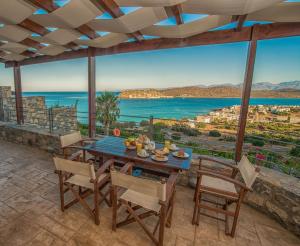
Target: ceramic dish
162, 159
186, 155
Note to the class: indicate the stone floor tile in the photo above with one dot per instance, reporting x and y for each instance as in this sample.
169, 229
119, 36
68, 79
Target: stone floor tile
45, 238
208, 231
270, 236
8, 190
29, 201
47, 223
7, 214
19, 232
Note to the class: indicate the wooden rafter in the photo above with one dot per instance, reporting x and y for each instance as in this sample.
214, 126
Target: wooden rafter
175, 11
32, 43
114, 10
257, 32
50, 6
241, 20
33, 27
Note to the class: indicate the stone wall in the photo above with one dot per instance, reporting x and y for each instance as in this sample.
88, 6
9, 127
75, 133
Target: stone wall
277, 195
37, 113
31, 136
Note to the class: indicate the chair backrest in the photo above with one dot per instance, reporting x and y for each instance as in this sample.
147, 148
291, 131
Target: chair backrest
75, 167
148, 187
248, 171
70, 139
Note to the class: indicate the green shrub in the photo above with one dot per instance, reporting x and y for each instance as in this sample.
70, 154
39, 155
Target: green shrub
200, 125
258, 142
186, 130
229, 139
295, 151
192, 144
144, 123
176, 136
159, 125
214, 133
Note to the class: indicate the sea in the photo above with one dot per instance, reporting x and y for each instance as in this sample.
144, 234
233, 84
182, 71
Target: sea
167, 108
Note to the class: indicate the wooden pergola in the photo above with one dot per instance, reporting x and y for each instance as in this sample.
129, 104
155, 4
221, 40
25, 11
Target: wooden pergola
75, 29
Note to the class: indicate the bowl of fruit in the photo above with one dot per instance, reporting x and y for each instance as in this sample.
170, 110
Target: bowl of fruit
130, 143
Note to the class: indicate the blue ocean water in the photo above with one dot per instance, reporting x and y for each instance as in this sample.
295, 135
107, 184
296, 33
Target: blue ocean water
171, 108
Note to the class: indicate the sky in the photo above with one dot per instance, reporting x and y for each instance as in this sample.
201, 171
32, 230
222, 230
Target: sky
277, 60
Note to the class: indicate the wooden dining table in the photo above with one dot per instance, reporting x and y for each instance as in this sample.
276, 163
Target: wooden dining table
110, 147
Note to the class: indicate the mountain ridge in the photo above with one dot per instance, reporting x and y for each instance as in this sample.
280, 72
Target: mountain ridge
281, 90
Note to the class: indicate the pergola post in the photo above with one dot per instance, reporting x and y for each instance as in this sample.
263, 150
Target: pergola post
245, 99
18, 94
92, 92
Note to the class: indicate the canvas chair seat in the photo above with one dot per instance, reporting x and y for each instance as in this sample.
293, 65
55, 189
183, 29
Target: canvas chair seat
218, 184
83, 181
88, 156
145, 201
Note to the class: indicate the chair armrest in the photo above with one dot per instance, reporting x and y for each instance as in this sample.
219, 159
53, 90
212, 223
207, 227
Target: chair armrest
171, 182
223, 177
75, 156
127, 168
88, 140
106, 166
208, 158
73, 147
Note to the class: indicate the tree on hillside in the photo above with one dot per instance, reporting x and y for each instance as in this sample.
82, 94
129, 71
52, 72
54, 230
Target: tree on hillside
108, 110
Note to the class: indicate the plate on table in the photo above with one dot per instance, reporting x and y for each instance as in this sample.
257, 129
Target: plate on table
174, 149
186, 155
143, 156
162, 159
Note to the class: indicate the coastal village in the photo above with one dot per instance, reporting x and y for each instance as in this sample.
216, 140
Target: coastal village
258, 113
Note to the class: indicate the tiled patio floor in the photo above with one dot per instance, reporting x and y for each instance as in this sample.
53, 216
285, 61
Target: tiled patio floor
30, 214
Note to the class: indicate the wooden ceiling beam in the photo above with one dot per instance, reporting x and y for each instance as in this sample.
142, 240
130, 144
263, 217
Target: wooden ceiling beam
32, 43
257, 32
33, 27
115, 11
50, 6
47, 5
241, 20
175, 11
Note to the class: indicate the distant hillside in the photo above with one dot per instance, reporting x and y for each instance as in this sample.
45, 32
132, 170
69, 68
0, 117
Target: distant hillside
207, 92
295, 85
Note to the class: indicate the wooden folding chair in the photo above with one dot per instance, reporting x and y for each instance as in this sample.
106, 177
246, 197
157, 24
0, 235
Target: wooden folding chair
156, 198
74, 174
72, 144
225, 188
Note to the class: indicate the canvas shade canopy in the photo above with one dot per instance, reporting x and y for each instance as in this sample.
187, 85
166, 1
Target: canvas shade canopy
35, 31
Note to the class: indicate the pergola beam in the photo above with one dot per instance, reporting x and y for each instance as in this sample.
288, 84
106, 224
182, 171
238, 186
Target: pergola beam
241, 20
257, 32
115, 11
92, 92
175, 11
245, 99
18, 94
50, 6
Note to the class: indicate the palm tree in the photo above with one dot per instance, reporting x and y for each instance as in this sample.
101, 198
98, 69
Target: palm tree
107, 109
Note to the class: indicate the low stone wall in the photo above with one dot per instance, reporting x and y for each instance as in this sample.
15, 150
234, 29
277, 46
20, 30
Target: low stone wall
30, 136
277, 195
36, 112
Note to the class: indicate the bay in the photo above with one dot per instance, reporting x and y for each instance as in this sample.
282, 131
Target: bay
169, 108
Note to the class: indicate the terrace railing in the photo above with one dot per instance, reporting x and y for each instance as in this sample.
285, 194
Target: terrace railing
266, 151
